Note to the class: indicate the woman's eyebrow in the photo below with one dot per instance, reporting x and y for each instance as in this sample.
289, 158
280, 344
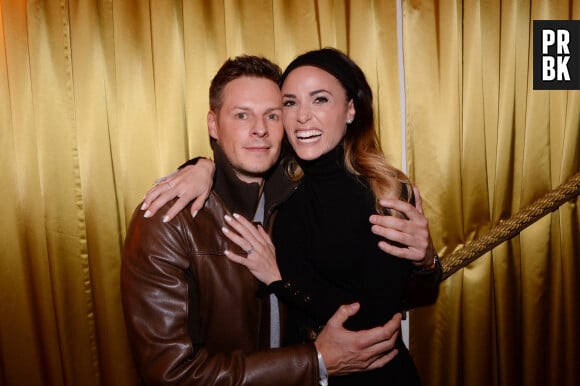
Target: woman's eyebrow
314, 92
319, 91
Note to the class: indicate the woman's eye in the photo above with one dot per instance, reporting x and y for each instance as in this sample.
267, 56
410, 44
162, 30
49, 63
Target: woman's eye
288, 103
320, 99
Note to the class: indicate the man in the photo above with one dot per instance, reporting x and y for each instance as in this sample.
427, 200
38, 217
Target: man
193, 316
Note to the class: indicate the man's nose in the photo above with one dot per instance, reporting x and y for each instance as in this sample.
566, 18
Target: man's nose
260, 128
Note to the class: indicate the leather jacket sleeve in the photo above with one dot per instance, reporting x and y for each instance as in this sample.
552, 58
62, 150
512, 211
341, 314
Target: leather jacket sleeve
163, 323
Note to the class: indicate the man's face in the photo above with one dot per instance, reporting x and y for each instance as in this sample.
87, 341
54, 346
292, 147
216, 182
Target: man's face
248, 126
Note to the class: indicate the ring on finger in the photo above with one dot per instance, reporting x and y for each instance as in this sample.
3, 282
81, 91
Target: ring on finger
249, 250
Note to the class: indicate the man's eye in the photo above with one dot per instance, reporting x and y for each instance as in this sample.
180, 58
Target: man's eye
273, 117
241, 115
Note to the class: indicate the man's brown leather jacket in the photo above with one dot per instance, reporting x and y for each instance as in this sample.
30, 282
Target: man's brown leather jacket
193, 316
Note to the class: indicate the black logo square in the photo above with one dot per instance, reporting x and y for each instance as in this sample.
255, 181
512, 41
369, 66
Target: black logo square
556, 54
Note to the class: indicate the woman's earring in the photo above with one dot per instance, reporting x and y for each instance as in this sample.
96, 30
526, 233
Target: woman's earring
349, 121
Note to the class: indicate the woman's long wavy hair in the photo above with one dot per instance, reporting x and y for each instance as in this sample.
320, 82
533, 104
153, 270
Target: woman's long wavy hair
363, 154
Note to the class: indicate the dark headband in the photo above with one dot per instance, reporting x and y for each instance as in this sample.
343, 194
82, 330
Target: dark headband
329, 60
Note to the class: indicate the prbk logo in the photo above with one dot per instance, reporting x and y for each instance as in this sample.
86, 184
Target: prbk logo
557, 54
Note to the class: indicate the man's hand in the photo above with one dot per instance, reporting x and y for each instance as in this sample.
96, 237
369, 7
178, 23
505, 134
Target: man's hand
189, 183
345, 351
413, 233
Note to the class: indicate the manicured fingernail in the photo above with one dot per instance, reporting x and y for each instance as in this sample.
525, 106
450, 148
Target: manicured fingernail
227, 252
194, 214
228, 218
225, 230
144, 206
236, 215
147, 214
165, 218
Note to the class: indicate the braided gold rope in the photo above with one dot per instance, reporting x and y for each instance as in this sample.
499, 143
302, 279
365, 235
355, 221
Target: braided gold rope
509, 228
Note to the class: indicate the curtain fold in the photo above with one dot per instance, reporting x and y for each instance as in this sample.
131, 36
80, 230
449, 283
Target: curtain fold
493, 146
100, 97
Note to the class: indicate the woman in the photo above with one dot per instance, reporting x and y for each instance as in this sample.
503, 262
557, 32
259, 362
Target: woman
324, 249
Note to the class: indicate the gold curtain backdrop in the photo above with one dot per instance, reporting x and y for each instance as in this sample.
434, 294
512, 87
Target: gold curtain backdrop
100, 97
482, 145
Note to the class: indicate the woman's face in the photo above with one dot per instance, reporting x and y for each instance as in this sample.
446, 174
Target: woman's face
315, 111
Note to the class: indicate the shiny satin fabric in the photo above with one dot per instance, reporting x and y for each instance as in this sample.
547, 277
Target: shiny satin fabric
100, 97
483, 144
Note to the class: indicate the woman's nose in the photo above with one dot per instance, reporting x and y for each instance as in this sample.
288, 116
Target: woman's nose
303, 113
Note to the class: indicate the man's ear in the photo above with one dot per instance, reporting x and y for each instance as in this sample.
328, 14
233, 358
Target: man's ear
212, 125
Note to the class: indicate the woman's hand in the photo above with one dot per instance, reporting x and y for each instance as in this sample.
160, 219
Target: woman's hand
189, 183
413, 233
261, 254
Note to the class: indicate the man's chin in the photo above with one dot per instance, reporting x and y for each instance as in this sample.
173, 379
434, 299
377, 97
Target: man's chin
256, 172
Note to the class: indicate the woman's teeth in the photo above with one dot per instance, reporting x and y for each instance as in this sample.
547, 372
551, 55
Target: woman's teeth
308, 135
